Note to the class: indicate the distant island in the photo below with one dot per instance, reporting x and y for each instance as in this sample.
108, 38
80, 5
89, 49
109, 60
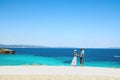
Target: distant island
6, 51
21, 46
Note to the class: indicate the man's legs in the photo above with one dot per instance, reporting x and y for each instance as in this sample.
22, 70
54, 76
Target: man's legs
81, 61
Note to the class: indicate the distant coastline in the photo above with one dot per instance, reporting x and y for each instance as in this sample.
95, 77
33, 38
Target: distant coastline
37, 46
21, 46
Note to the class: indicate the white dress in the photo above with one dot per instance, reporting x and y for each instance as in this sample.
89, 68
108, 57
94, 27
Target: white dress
74, 61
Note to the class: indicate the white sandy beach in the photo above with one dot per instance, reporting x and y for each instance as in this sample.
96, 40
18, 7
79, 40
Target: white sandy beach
58, 73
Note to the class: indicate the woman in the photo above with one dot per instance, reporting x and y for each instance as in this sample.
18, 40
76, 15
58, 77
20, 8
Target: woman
74, 61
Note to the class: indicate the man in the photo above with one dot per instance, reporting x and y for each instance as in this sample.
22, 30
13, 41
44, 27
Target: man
82, 56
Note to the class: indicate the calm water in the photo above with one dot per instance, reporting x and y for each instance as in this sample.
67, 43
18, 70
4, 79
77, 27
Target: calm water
61, 57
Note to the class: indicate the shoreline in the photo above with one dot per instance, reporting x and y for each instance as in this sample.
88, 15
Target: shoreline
59, 66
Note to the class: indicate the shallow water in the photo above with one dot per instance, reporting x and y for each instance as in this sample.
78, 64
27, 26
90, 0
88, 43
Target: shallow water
61, 57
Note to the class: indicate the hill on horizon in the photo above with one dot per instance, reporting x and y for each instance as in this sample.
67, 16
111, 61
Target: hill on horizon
21, 46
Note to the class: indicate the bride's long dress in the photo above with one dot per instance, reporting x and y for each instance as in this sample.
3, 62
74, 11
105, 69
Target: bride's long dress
74, 61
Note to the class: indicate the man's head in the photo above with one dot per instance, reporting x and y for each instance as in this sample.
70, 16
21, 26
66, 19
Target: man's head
81, 48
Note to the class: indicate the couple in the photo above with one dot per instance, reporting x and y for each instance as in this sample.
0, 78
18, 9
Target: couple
81, 55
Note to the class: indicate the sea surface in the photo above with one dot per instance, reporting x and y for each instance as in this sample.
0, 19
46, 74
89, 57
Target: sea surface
61, 57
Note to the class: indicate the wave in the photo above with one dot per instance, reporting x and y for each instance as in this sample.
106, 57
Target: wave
117, 56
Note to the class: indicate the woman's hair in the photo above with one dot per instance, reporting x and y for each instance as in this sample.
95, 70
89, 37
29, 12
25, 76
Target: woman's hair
75, 50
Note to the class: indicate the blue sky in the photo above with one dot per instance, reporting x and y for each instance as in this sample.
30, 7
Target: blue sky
60, 23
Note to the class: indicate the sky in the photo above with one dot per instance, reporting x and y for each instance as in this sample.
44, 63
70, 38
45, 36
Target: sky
60, 23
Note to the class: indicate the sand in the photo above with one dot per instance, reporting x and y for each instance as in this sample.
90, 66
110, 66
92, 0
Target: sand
58, 73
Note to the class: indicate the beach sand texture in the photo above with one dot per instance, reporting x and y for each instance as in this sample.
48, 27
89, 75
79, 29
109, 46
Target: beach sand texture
55, 77
57, 73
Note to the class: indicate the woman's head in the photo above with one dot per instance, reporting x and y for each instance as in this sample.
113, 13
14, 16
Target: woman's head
75, 50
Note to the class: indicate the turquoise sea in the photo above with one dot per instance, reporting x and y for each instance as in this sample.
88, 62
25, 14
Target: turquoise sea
61, 57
